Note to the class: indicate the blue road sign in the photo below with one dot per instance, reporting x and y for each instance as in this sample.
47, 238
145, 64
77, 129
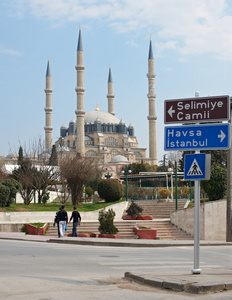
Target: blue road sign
197, 137
197, 166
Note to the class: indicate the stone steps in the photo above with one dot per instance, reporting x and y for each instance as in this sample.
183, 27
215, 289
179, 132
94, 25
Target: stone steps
159, 209
165, 230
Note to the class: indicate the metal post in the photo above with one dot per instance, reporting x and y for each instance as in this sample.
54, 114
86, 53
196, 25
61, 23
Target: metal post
126, 185
196, 269
85, 194
190, 192
176, 184
229, 190
172, 185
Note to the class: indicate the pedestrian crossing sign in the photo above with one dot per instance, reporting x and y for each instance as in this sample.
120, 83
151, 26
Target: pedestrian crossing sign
197, 166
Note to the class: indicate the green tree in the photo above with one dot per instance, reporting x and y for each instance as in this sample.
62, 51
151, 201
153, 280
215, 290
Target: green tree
53, 160
106, 220
163, 167
89, 191
218, 157
215, 188
25, 176
140, 167
93, 183
4, 195
110, 190
14, 187
20, 157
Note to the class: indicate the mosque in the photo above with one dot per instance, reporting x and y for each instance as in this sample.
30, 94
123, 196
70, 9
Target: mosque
98, 134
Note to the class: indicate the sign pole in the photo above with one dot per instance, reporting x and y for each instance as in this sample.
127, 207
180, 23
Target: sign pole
196, 269
229, 191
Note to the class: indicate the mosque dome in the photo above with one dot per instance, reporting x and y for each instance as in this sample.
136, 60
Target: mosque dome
12, 155
101, 116
119, 159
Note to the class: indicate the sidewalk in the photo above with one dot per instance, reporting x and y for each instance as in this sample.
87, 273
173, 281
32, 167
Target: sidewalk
178, 279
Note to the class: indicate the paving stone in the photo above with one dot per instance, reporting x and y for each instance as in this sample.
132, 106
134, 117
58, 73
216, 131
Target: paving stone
203, 288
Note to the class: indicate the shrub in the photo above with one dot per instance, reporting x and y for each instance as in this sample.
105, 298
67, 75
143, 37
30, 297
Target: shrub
164, 193
14, 187
110, 189
106, 219
215, 188
45, 197
140, 193
4, 195
134, 209
89, 191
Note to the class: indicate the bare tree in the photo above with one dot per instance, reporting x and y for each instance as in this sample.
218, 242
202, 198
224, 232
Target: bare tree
24, 175
77, 171
43, 177
64, 193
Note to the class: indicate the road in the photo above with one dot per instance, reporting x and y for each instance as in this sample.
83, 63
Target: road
43, 271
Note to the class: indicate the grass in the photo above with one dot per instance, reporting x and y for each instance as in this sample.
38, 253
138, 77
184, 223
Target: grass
38, 225
54, 206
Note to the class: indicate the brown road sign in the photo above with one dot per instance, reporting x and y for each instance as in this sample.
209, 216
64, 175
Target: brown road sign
197, 110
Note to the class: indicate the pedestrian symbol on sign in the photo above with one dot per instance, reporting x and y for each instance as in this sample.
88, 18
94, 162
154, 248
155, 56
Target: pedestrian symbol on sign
194, 169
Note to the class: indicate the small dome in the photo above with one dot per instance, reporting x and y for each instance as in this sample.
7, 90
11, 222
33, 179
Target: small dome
72, 121
1, 155
119, 159
130, 125
12, 155
64, 126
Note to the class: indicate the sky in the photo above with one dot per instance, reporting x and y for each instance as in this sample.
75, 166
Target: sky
192, 46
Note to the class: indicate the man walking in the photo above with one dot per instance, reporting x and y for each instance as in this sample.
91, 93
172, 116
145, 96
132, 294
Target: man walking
56, 221
63, 219
76, 220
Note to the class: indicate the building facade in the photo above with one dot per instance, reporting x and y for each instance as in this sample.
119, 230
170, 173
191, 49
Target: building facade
100, 134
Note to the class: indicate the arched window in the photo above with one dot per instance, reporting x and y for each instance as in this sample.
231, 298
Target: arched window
138, 154
114, 153
68, 143
110, 141
91, 153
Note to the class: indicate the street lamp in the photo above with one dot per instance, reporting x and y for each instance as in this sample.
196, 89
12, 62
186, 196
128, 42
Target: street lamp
126, 173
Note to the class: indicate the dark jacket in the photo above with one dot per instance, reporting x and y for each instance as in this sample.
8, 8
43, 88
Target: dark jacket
62, 215
75, 216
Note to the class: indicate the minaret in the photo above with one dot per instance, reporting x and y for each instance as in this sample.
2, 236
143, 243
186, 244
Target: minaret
110, 94
152, 116
80, 112
48, 109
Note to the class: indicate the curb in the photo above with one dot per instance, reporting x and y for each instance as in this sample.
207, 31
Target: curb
192, 286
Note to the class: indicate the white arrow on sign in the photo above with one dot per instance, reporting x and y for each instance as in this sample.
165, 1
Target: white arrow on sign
222, 136
171, 111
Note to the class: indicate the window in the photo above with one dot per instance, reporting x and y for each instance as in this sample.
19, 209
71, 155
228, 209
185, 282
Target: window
115, 152
138, 154
91, 153
110, 141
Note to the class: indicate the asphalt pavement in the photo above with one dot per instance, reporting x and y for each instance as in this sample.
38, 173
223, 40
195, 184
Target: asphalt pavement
209, 281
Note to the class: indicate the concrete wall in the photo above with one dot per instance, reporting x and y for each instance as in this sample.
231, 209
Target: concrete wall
52, 196
212, 220
13, 221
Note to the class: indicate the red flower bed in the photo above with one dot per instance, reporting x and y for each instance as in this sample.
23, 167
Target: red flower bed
109, 236
147, 234
145, 217
35, 230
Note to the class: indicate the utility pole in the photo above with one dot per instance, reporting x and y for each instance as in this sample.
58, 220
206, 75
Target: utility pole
229, 188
